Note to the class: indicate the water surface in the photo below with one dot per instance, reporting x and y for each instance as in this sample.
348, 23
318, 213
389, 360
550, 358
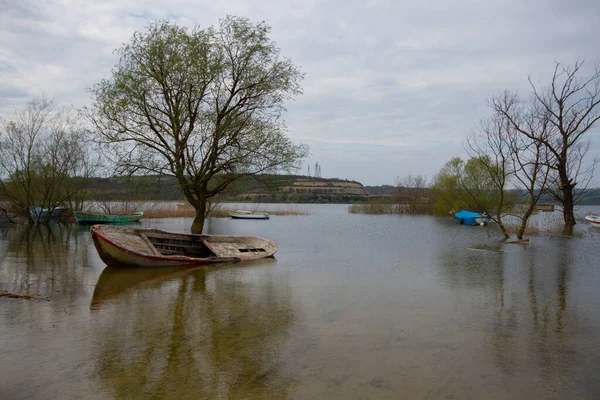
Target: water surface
351, 307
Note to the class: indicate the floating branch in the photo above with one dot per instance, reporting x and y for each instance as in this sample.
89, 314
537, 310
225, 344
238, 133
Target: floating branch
22, 295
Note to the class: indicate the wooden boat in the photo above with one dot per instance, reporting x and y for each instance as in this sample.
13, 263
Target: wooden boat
119, 245
243, 214
594, 220
90, 219
472, 218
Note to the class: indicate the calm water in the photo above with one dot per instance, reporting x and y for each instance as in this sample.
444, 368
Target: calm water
352, 307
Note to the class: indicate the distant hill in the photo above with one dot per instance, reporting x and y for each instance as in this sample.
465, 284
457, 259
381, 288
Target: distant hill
295, 189
383, 190
267, 188
261, 188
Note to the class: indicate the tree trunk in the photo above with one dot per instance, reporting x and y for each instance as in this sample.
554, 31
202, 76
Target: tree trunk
499, 217
568, 205
198, 224
567, 198
503, 228
524, 221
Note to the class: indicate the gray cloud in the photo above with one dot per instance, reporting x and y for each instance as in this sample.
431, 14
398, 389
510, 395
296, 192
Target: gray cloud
391, 87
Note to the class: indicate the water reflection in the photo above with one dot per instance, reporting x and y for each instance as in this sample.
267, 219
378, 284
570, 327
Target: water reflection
205, 333
44, 259
525, 295
355, 307
116, 280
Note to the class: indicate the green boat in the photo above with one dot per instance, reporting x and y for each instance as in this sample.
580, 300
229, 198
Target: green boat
87, 218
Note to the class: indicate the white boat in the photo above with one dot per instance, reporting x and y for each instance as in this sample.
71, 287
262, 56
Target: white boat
594, 220
243, 214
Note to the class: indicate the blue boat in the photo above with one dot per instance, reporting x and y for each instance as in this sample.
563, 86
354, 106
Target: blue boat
472, 218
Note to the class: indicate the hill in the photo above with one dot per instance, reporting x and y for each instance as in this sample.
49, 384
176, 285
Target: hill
260, 188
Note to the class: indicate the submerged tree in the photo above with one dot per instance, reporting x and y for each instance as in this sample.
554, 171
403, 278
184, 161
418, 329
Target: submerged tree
464, 185
43, 150
412, 191
203, 105
490, 145
565, 111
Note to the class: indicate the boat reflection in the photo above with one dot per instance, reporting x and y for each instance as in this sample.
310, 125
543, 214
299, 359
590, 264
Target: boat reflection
116, 280
217, 332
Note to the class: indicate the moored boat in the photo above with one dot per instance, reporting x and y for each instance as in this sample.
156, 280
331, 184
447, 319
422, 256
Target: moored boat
242, 214
594, 220
90, 219
118, 245
472, 218
6, 217
41, 214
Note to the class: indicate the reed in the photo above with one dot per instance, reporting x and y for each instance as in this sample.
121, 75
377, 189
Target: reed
168, 209
379, 208
292, 209
551, 225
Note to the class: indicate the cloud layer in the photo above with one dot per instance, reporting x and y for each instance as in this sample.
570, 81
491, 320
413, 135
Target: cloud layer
391, 87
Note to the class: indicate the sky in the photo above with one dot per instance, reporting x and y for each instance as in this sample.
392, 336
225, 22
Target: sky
392, 88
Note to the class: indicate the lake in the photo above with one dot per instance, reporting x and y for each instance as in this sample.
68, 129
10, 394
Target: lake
352, 307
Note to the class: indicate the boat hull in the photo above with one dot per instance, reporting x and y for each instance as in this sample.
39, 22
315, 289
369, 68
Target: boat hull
593, 220
91, 219
472, 218
124, 248
249, 215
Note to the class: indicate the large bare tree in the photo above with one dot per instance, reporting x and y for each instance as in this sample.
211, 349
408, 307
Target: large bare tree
566, 109
203, 105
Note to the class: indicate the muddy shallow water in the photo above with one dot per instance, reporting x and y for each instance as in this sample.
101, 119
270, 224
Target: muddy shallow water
351, 307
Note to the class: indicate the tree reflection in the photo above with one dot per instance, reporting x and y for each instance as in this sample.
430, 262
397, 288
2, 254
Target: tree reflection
45, 259
531, 328
204, 333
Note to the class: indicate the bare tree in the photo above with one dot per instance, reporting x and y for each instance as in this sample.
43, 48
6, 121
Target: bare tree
203, 105
412, 191
529, 159
42, 150
491, 146
569, 106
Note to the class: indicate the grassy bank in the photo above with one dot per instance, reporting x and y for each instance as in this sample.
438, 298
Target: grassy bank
384, 207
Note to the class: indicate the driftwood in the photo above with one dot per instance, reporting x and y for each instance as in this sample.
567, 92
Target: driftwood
524, 242
22, 295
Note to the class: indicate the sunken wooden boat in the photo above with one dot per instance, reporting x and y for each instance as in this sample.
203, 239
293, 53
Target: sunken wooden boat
90, 219
118, 245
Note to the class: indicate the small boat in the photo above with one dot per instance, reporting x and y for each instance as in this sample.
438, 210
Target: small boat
88, 218
118, 245
594, 220
7, 217
243, 214
41, 214
472, 218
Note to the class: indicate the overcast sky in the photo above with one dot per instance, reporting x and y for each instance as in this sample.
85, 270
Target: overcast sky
391, 87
